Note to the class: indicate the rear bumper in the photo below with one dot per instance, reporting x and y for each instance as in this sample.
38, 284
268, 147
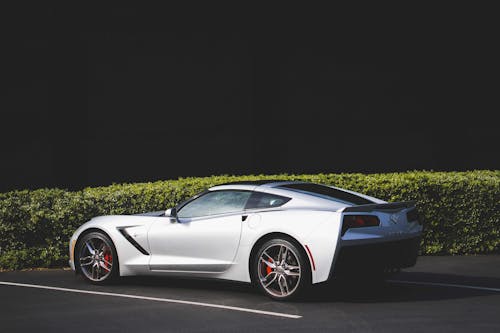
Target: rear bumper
376, 256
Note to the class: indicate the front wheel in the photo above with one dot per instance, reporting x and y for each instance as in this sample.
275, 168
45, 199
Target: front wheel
281, 270
96, 258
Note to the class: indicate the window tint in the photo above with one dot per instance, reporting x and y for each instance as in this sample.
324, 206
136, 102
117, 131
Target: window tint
328, 193
265, 200
215, 202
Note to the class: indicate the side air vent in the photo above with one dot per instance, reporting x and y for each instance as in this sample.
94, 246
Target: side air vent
132, 241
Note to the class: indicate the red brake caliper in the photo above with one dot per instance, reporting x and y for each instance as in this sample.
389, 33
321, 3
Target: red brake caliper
268, 269
108, 257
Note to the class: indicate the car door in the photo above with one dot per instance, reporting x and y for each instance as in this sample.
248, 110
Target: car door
205, 237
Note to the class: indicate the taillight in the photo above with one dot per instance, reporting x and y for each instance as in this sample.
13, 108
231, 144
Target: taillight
359, 221
412, 216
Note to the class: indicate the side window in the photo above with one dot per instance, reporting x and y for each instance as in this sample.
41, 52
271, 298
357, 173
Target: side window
215, 202
265, 200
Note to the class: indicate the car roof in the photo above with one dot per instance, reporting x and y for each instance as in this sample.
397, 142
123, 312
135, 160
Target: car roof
256, 182
252, 184
287, 188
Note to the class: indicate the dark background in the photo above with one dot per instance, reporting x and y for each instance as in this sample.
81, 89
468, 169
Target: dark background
92, 95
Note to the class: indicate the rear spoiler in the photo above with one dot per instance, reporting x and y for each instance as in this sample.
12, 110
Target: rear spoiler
392, 206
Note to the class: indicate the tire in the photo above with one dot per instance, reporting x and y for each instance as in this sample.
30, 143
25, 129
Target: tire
278, 279
100, 267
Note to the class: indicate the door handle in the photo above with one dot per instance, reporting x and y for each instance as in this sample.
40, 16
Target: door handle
243, 218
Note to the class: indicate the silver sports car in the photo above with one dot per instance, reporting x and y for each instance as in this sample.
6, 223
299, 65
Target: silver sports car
280, 235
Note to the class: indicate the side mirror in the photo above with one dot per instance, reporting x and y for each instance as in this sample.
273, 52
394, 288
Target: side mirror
172, 213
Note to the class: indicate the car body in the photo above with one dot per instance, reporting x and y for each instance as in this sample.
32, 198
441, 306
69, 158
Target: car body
327, 231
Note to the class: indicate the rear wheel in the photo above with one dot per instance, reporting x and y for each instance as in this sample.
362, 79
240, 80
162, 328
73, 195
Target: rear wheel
96, 258
281, 270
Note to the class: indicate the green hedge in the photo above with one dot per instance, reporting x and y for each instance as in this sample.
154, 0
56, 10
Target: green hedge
461, 209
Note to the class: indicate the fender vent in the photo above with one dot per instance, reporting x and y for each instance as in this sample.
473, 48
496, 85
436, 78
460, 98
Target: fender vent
132, 241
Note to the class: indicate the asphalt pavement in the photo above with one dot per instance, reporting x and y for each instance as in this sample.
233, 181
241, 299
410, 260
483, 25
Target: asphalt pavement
439, 294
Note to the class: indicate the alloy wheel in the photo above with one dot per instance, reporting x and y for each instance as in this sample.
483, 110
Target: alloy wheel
96, 259
279, 270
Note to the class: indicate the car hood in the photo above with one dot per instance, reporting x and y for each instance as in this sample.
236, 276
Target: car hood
156, 213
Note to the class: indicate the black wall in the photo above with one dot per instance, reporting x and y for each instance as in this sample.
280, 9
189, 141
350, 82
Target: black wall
92, 96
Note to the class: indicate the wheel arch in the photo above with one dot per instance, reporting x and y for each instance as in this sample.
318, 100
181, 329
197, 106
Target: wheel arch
274, 235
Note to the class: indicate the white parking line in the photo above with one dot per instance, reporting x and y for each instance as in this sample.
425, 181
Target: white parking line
167, 300
444, 285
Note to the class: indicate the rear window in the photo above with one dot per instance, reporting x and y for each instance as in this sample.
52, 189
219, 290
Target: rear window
329, 193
